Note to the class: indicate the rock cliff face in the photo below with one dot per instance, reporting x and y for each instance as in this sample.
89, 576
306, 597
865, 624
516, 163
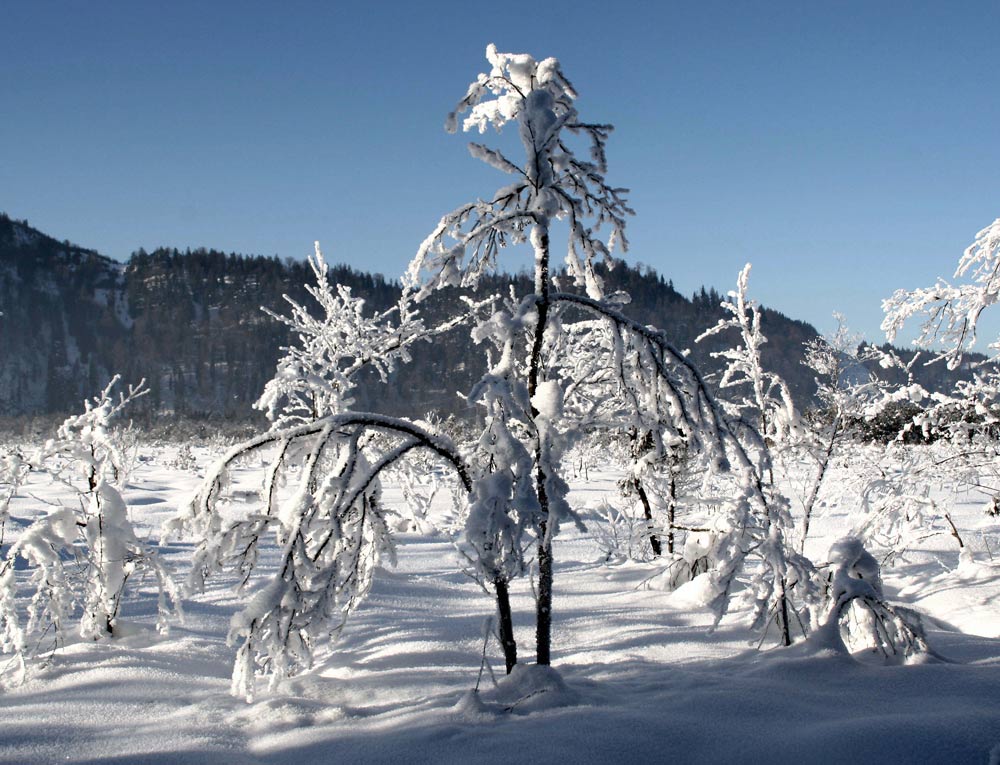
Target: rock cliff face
190, 324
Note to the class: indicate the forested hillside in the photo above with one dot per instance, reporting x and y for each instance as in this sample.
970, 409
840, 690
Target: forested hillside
191, 324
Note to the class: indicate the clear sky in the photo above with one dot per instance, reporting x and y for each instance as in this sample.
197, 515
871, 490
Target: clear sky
845, 148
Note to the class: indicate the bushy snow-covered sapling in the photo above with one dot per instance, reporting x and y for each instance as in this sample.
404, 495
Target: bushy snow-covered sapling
331, 526
761, 405
321, 500
80, 556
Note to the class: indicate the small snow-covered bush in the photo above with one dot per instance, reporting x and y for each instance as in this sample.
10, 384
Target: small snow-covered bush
859, 618
184, 459
78, 557
620, 535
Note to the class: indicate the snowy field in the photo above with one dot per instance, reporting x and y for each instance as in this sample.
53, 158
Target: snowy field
643, 678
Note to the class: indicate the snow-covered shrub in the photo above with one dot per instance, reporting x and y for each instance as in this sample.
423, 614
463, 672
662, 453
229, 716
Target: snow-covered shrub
321, 502
331, 526
621, 535
78, 557
858, 616
899, 512
757, 518
845, 389
126, 440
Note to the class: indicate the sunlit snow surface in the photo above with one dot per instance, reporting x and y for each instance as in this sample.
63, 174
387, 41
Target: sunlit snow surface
640, 677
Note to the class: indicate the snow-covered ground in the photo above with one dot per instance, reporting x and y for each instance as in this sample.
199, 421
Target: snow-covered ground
640, 675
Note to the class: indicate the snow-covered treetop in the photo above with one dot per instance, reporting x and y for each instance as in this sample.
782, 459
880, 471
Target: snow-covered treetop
317, 374
765, 396
952, 312
551, 182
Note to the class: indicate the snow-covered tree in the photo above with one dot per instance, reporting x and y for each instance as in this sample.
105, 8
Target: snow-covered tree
547, 381
81, 555
563, 359
761, 398
950, 316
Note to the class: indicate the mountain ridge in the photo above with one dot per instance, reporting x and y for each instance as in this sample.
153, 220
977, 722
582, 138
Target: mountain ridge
190, 324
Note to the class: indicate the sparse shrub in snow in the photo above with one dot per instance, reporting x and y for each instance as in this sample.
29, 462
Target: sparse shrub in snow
845, 389
620, 534
659, 496
899, 512
79, 557
184, 459
126, 440
14, 471
853, 400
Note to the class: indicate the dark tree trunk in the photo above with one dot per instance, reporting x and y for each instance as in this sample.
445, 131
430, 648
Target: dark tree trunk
543, 624
543, 608
506, 624
783, 626
647, 513
671, 513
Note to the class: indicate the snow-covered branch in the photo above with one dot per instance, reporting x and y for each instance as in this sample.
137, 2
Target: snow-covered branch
330, 525
952, 312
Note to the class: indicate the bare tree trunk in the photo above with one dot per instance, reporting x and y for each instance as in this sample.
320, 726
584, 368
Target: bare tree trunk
824, 463
543, 608
506, 624
647, 513
786, 632
671, 513
543, 623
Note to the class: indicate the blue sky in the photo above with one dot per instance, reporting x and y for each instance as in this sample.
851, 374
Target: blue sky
846, 149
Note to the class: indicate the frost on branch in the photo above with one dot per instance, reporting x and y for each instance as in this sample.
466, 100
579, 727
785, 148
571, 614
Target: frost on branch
761, 406
951, 313
79, 557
